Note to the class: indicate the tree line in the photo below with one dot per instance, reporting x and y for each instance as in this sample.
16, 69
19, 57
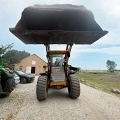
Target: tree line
11, 56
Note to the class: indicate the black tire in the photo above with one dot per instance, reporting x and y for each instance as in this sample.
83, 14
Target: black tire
23, 80
74, 86
8, 87
42, 88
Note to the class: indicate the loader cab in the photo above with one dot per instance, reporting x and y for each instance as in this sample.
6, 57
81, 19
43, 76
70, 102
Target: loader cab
56, 60
57, 73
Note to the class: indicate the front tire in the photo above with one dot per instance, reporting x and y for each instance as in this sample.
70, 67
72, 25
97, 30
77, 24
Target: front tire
8, 87
42, 88
74, 86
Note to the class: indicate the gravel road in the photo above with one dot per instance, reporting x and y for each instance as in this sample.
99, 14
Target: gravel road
91, 105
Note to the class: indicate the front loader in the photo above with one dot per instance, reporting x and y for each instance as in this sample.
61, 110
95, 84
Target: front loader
59, 74
58, 24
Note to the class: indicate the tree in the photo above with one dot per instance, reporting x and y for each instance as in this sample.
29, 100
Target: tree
14, 56
6, 48
111, 65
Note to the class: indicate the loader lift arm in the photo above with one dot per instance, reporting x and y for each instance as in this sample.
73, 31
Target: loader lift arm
65, 52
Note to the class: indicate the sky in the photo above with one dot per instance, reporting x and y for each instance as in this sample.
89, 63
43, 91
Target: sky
92, 57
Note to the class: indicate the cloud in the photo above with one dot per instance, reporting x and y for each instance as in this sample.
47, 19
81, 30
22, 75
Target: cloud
110, 39
112, 7
104, 7
57, 47
113, 50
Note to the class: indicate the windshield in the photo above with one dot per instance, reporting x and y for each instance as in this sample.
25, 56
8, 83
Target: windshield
20, 72
56, 60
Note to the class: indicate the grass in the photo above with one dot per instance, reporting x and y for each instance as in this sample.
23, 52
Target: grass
103, 81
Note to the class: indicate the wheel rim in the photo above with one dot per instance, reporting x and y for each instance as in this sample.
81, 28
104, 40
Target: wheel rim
23, 80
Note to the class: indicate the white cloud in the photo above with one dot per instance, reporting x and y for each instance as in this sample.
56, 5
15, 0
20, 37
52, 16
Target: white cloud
104, 7
88, 49
109, 39
112, 7
57, 47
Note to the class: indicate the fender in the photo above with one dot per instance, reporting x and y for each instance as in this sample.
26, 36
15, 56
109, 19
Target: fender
7, 74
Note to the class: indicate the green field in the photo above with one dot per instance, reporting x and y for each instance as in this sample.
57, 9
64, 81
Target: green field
102, 81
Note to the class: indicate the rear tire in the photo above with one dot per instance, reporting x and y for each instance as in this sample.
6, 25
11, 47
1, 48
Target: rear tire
42, 88
8, 87
74, 86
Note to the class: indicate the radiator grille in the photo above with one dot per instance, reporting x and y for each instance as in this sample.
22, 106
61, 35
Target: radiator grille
57, 74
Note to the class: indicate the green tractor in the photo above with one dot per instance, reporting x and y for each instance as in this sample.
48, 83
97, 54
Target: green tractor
7, 82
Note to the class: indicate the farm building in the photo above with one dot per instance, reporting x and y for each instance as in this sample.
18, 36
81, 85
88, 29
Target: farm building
32, 64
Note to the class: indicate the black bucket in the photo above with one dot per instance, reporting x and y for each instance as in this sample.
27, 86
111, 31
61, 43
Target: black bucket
57, 24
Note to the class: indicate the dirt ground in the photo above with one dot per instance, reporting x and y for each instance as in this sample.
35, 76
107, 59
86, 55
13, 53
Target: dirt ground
93, 104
